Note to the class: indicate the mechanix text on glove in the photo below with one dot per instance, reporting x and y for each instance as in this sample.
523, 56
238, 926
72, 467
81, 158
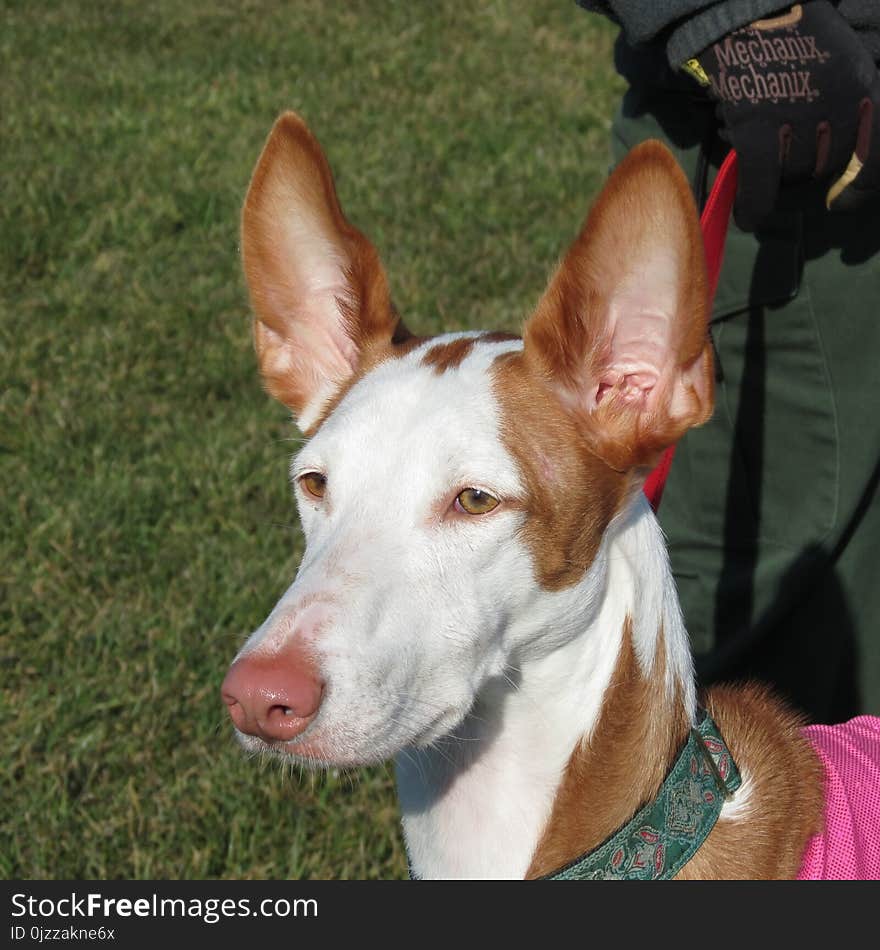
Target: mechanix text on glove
797, 95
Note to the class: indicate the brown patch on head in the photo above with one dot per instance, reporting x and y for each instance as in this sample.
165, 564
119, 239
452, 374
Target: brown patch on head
444, 356
453, 353
621, 766
498, 336
571, 494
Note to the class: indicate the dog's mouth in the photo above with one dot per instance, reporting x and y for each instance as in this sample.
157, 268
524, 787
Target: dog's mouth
309, 751
320, 746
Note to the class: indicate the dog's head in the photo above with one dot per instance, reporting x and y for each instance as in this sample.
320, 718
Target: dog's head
452, 489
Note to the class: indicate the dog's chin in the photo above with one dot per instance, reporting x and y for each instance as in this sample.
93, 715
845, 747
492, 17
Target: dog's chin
316, 751
309, 753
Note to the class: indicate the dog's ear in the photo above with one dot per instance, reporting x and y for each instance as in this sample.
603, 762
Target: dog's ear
318, 290
621, 331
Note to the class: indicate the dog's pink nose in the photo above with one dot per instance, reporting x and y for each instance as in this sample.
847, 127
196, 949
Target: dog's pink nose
273, 696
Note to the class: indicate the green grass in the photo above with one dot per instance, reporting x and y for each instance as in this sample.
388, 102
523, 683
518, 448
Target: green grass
147, 524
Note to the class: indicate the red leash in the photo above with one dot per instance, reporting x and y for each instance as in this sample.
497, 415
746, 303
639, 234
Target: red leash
713, 223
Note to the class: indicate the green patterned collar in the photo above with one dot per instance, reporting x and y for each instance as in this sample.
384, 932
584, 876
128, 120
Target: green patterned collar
665, 834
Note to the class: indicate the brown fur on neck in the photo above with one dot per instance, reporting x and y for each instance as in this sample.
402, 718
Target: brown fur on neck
620, 767
786, 796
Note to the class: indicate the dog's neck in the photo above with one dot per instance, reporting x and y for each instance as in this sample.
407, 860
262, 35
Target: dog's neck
486, 801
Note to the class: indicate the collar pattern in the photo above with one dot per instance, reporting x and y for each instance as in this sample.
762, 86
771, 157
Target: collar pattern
666, 833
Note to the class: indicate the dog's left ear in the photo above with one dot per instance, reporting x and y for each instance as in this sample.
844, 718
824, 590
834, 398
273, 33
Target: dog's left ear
621, 331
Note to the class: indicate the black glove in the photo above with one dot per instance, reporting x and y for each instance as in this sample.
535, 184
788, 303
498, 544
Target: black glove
798, 99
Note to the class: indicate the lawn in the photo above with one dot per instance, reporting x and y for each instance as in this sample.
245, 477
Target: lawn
147, 521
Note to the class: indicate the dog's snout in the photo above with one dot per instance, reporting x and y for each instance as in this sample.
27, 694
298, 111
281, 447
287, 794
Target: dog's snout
273, 696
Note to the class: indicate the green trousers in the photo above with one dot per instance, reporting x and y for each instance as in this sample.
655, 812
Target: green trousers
772, 510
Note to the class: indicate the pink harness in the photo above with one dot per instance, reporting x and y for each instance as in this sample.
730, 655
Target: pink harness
848, 848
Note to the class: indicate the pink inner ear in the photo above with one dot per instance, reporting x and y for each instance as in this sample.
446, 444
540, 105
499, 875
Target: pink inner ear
639, 354
313, 316
314, 346
306, 360
639, 321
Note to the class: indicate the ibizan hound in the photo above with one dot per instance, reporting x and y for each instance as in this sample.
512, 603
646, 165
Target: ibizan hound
485, 595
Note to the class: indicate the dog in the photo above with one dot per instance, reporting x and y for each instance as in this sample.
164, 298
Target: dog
485, 595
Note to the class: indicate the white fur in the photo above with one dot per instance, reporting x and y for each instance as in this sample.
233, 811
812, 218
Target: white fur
739, 807
409, 589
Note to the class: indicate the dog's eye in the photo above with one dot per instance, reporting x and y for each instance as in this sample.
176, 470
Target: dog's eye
475, 502
314, 483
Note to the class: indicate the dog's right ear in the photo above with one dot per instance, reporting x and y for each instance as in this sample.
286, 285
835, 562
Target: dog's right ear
621, 334
318, 290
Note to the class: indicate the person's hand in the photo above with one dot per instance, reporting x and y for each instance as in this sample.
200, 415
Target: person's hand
799, 99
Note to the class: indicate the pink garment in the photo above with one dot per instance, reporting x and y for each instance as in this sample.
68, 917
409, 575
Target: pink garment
848, 848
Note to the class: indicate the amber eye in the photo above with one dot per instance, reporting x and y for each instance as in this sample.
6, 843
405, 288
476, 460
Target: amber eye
476, 502
314, 483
